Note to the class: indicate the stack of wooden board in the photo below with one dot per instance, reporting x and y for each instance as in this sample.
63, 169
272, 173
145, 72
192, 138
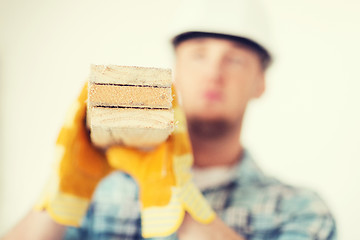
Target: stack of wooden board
129, 105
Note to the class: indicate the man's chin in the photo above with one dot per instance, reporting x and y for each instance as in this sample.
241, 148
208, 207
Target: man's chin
209, 127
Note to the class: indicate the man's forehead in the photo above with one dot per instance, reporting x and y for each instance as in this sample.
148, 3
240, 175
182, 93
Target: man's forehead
236, 41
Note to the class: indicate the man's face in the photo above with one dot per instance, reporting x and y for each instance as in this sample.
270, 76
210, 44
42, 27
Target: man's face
216, 78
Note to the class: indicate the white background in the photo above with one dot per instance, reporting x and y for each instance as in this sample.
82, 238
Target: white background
305, 130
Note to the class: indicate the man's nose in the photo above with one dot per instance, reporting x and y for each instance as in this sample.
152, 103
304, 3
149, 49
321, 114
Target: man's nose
214, 72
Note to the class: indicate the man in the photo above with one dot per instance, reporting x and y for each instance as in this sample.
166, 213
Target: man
220, 67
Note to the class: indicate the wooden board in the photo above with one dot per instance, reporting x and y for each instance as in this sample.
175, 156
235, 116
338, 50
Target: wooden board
129, 105
133, 96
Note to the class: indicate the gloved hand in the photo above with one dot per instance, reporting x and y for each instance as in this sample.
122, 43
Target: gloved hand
79, 168
166, 187
163, 175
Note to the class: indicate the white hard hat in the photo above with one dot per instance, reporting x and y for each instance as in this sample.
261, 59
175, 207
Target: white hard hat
239, 18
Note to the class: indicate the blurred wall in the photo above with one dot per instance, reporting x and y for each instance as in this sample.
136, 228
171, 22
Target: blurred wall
305, 130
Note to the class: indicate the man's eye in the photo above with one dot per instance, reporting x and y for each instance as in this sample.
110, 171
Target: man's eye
198, 55
234, 60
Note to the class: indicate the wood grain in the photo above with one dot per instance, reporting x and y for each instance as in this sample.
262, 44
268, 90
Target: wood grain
129, 106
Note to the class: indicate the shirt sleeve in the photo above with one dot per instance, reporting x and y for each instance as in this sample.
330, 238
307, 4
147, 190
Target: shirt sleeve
307, 217
73, 234
114, 212
84, 231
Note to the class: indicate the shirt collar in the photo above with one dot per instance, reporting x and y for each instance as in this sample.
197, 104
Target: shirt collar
248, 171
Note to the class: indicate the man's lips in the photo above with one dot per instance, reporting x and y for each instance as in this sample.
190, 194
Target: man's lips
213, 95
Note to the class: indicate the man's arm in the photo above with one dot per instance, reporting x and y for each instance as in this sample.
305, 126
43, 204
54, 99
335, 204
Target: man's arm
191, 229
36, 226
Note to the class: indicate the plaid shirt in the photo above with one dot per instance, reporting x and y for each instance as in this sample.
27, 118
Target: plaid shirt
254, 205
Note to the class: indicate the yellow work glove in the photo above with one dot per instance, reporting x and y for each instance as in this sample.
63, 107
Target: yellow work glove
163, 176
79, 168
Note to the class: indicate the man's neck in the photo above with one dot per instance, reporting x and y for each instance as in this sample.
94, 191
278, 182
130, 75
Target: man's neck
224, 151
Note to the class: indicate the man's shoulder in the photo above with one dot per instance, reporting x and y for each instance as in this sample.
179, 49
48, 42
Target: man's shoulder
288, 197
264, 188
271, 206
260, 188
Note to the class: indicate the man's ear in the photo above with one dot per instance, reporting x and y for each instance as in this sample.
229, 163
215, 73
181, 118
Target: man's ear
260, 85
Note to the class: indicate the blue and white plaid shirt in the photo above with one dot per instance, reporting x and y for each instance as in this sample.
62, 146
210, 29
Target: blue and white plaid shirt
254, 205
